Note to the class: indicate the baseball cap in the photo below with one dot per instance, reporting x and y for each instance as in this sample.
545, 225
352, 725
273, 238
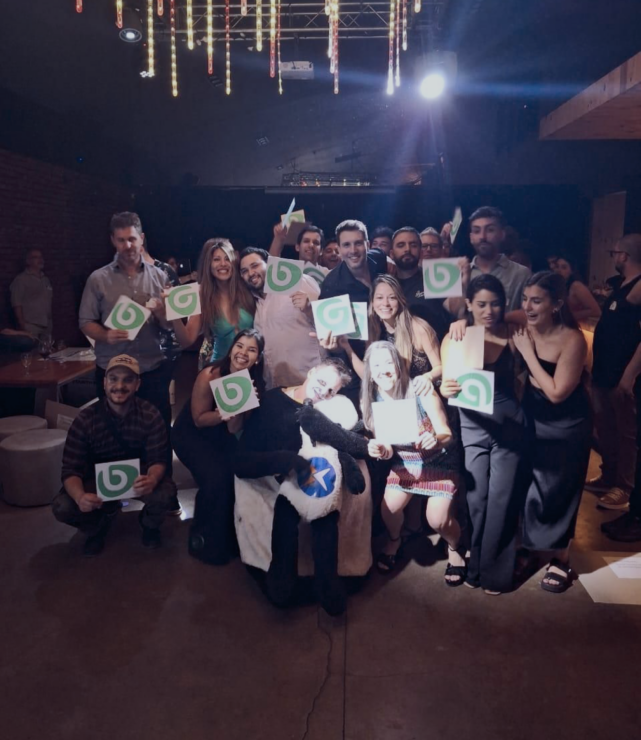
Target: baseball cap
124, 361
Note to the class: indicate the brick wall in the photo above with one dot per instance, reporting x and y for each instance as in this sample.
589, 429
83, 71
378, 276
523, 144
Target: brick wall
66, 215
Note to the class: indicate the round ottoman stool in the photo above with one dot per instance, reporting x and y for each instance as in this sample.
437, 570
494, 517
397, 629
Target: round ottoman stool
30, 466
16, 424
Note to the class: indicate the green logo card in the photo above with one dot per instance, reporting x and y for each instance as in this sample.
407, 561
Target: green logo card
316, 272
283, 276
127, 315
234, 394
333, 315
183, 301
442, 278
477, 391
115, 480
360, 319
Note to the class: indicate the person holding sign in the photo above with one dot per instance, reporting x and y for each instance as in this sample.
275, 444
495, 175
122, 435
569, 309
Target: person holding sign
427, 467
557, 408
493, 444
119, 427
227, 305
309, 243
206, 444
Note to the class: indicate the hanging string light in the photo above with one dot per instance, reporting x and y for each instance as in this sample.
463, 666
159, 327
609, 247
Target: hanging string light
390, 63
328, 7
335, 44
150, 39
280, 76
78, 6
119, 13
161, 8
210, 37
190, 24
398, 43
174, 65
330, 39
227, 51
259, 25
417, 6
243, 7
272, 38
404, 25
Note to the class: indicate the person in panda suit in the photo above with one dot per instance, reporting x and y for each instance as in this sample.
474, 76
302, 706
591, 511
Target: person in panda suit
303, 502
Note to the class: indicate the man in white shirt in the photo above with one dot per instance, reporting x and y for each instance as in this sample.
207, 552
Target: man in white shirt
285, 321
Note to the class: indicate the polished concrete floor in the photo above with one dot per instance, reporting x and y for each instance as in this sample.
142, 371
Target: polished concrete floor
138, 645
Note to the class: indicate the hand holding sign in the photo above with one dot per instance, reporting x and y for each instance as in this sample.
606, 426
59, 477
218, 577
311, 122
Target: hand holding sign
234, 394
477, 391
442, 278
333, 315
127, 315
283, 276
115, 480
183, 301
465, 354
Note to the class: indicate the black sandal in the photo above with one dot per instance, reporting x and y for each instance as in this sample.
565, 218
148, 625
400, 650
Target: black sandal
459, 571
386, 563
559, 583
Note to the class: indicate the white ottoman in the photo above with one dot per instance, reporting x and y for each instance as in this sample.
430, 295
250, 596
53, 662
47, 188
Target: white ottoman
30, 466
16, 424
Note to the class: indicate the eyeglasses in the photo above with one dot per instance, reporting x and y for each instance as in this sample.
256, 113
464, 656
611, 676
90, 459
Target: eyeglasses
612, 252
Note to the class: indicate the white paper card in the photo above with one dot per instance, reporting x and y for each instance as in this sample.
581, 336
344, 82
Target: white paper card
456, 224
360, 319
467, 354
286, 217
625, 567
234, 394
442, 278
316, 272
127, 315
477, 391
333, 315
183, 301
395, 422
115, 480
283, 276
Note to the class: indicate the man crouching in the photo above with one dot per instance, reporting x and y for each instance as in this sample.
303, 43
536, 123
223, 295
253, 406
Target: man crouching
119, 427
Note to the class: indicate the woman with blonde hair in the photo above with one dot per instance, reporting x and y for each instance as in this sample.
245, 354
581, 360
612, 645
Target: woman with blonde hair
227, 304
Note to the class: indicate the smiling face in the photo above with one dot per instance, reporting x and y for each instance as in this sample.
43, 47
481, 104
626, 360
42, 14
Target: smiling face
406, 250
353, 249
487, 237
120, 385
485, 308
330, 256
385, 302
128, 243
244, 354
539, 307
309, 247
383, 370
221, 266
253, 269
323, 382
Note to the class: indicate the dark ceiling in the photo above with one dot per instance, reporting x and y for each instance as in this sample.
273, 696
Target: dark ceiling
513, 55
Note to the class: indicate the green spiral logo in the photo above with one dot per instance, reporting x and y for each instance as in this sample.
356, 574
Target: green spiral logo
333, 314
315, 273
127, 316
440, 276
283, 276
234, 394
360, 319
183, 300
475, 390
117, 480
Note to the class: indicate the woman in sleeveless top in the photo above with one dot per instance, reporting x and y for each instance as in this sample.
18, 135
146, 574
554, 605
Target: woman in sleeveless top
581, 302
206, 443
492, 443
427, 467
559, 423
227, 304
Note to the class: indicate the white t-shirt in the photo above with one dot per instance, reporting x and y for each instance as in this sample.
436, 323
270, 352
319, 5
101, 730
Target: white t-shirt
289, 350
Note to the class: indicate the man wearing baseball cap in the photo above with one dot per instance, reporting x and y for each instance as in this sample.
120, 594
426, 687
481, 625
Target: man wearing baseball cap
117, 428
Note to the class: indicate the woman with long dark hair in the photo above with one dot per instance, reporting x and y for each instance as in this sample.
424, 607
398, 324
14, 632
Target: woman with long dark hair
227, 304
559, 423
493, 443
206, 444
582, 304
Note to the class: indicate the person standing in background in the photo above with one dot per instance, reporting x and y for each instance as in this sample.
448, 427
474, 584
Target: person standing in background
31, 295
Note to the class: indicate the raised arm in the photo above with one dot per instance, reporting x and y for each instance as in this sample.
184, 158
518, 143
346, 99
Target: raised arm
202, 400
276, 247
425, 340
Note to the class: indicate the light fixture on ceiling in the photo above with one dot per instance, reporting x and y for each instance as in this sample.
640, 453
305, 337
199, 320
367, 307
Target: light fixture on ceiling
436, 73
131, 31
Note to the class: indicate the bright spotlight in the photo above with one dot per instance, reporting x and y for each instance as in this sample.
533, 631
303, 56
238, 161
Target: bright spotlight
432, 85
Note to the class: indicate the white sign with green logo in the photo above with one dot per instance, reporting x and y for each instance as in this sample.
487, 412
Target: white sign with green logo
360, 319
115, 480
127, 315
183, 301
283, 276
234, 394
316, 272
477, 391
457, 220
333, 315
442, 278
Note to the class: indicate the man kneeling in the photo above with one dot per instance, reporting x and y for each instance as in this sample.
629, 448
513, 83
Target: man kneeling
116, 428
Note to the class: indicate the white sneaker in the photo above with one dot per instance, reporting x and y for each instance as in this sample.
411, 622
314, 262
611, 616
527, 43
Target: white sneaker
615, 499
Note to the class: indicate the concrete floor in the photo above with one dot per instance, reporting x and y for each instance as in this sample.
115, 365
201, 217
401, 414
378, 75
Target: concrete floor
138, 645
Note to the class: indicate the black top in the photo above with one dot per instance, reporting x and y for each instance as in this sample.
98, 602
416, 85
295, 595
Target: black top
616, 337
428, 309
503, 369
341, 281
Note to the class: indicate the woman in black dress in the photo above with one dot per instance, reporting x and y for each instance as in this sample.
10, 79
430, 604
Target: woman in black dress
559, 423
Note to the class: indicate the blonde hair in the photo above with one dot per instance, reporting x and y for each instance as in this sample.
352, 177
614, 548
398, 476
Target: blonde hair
210, 293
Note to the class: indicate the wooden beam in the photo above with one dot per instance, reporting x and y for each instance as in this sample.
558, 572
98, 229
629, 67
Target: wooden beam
608, 109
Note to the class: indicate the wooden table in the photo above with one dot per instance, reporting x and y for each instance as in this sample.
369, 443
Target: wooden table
46, 377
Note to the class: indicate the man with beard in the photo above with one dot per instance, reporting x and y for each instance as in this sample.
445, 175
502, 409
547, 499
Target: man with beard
406, 253
285, 321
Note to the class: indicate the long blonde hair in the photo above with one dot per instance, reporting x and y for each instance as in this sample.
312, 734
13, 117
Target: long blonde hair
210, 293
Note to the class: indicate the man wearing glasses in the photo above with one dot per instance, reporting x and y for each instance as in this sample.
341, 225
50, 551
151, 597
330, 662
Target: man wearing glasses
617, 392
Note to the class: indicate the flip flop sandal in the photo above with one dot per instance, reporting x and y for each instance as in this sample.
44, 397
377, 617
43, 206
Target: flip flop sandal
459, 571
557, 583
386, 563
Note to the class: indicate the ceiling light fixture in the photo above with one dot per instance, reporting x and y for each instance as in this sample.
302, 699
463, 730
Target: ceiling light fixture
436, 73
130, 25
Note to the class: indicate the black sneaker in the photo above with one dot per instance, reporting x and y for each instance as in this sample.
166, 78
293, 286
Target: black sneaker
94, 545
151, 538
626, 528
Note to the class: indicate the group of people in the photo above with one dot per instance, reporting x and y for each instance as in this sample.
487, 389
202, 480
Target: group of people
295, 484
